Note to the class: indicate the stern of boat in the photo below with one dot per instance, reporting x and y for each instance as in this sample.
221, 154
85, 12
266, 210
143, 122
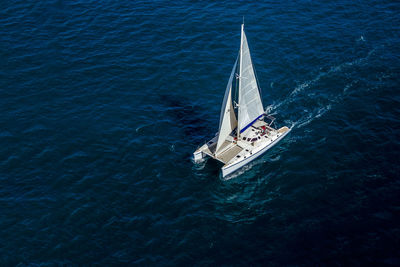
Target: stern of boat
198, 156
205, 150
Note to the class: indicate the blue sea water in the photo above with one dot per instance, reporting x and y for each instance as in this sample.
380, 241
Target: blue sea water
103, 102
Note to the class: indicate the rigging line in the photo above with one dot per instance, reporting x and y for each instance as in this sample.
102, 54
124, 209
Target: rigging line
236, 80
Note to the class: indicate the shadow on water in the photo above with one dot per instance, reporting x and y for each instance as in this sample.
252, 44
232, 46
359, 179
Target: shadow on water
188, 117
191, 125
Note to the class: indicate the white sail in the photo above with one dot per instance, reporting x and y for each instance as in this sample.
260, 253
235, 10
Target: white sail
250, 104
236, 152
227, 121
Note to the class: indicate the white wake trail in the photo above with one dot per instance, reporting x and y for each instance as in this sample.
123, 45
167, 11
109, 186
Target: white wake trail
323, 102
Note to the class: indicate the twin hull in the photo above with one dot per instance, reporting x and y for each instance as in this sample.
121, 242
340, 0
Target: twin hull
227, 169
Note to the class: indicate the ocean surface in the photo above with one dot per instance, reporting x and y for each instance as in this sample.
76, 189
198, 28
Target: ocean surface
102, 104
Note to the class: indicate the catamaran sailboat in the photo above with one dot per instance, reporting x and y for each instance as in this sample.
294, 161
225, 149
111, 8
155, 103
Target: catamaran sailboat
245, 129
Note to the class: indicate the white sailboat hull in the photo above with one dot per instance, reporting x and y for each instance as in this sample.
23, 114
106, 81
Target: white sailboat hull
238, 154
199, 156
231, 168
244, 138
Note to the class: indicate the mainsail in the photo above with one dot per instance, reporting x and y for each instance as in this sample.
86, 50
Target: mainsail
250, 104
227, 121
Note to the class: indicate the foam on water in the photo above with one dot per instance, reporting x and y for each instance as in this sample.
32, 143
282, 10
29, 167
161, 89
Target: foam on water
317, 111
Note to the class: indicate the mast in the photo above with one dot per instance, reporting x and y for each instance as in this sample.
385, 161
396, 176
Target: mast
240, 76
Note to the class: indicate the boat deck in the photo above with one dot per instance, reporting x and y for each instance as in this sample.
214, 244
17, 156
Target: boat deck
228, 154
228, 151
260, 134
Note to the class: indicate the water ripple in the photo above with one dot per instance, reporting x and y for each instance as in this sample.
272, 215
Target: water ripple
103, 103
